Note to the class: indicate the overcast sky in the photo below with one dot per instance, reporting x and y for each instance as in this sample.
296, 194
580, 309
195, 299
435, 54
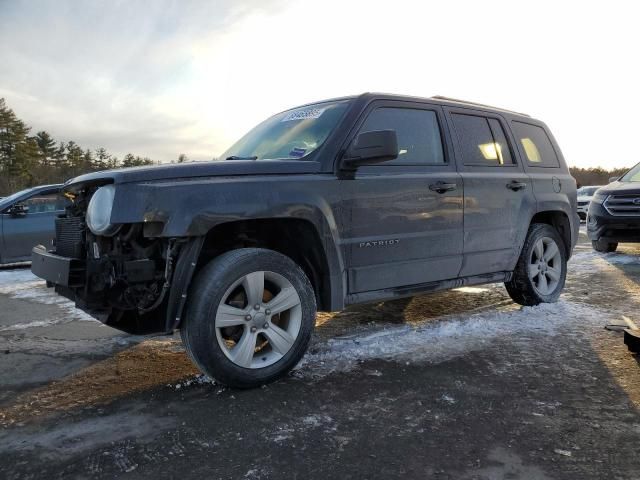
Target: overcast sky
160, 78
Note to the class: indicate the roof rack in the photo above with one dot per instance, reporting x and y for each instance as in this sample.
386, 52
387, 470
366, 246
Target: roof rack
456, 100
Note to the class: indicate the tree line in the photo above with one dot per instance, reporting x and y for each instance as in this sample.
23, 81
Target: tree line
595, 176
28, 160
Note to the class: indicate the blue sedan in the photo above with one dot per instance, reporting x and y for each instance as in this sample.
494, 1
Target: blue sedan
27, 219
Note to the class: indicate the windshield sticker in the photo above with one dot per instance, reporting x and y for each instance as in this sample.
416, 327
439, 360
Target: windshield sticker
306, 114
297, 152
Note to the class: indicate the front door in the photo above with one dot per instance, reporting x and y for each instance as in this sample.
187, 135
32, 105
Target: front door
404, 217
36, 227
498, 195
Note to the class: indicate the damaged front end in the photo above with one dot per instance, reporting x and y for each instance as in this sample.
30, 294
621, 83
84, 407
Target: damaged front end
119, 274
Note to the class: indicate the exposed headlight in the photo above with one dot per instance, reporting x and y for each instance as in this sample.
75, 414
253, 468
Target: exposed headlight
99, 211
599, 198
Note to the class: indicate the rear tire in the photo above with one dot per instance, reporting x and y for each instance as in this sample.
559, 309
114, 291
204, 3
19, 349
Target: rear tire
250, 318
541, 270
603, 246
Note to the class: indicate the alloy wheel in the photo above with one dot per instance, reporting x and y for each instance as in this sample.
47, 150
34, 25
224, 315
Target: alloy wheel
258, 319
545, 266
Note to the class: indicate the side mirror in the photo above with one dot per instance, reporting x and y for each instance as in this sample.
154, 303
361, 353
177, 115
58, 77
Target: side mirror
18, 210
613, 179
371, 147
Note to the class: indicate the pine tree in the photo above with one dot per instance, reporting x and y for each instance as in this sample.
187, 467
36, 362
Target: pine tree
75, 158
102, 159
47, 146
87, 161
34, 160
128, 160
60, 156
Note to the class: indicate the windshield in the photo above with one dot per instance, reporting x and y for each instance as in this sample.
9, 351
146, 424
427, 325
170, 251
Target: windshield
632, 175
6, 201
291, 134
587, 191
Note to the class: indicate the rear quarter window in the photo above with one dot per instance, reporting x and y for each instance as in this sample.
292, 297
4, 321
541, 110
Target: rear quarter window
535, 145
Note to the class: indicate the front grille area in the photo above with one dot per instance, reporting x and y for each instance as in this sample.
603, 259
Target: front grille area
69, 236
623, 205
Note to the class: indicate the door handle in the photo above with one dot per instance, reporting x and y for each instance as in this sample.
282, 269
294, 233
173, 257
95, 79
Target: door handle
442, 187
515, 185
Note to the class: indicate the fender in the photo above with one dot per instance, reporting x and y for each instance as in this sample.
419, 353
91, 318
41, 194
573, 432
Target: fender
191, 208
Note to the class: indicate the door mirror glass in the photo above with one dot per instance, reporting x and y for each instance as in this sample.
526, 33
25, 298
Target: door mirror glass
18, 210
371, 147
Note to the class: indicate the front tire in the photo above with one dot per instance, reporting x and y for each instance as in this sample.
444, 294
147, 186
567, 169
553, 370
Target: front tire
603, 246
250, 319
541, 270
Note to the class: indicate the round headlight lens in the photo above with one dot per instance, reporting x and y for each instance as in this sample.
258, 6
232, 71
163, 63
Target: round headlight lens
99, 211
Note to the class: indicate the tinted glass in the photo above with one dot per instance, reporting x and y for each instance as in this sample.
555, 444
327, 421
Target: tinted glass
536, 145
292, 134
482, 140
44, 203
8, 201
419, 140
632, 175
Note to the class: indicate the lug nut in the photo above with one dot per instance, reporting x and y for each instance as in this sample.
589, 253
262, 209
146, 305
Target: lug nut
266, 325
253, 329
247, 317
268, 312
256, 307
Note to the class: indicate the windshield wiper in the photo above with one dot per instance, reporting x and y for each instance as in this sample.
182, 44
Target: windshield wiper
235, 157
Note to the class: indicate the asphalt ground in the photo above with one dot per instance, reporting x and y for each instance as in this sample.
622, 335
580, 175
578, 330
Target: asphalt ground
455, 385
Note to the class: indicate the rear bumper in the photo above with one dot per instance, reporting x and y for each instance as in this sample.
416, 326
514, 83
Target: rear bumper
601, 225
55, 269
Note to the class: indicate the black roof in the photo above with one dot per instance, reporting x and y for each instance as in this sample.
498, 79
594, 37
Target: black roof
448, 101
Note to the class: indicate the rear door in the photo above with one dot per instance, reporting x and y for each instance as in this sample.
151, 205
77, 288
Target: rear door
37, 227
498, 196
404, 217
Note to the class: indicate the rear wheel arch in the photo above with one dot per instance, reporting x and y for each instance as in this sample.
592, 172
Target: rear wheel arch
558, 220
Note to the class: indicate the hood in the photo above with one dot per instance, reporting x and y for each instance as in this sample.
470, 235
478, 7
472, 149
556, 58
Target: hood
585, 198
192, 170
620, 188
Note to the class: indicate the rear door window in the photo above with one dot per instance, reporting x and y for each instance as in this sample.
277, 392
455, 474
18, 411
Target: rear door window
535, 145
482, 140
418, 131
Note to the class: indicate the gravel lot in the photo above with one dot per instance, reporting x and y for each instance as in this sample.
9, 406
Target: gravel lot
455, 385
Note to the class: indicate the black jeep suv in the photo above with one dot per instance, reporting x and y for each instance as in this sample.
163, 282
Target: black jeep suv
614, 213
345, 201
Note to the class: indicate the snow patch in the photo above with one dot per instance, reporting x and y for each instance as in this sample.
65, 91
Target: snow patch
449, 338
196, 380
22, 275
448, 399
589, 262
24, 285
35, 324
